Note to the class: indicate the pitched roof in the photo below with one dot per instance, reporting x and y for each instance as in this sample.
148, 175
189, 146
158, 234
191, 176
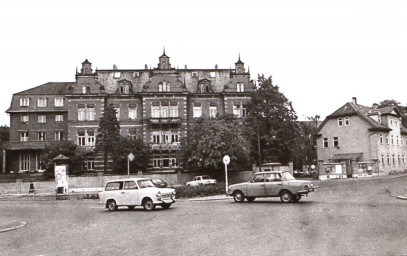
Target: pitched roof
60, 88
351, 108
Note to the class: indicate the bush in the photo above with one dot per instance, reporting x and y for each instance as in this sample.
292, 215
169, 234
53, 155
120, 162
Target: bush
208, 190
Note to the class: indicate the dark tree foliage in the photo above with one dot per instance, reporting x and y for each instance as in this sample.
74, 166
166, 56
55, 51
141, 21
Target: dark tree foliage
66, 148
209, 140
139, 150
305, 152
4, 133
273, 122
108, 138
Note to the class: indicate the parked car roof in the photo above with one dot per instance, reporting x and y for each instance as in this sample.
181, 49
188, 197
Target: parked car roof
129, 179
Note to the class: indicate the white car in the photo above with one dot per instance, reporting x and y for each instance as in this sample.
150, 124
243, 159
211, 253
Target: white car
134, 192
201, 180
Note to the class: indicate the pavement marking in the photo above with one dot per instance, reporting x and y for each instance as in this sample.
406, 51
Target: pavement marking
15, 226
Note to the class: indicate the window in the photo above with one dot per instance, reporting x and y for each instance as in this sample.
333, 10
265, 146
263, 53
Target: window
325, 142
379, 119
392, 139
340, 121
397, 140
194, 74
117, 109
42, 102
81, 113
404, 159
346, 120
132, 112
164, 87
336, 142
381, 138
124, 89
114, 186
59, 102
213, 74
236, 110
164, 110
90, 165
382, 159
24, 161
244, 111
388, 159
155, 110
41, 136
197, 110
59, 136
213, 111
24, 136
387, 139
204, 86
136, 74
42, 119
394, 159
24, 102
173, 109
174, 138
156, 162
24, 119
132, 133
59, 118
240, 87
130, 185
156, 138
90, 112
116, 74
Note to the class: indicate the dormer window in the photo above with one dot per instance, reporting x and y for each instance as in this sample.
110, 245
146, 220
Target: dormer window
204, 86
164, 87
136, 74
213, 74
124, 89
240, 87
42, 102
194, 74
379, 119
116, 74
24, 102
86, 89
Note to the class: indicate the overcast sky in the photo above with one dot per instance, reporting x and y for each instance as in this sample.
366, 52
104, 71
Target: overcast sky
320, 52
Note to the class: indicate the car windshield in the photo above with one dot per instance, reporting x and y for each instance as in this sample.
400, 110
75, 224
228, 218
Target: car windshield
206, 177
145, 184
288, 176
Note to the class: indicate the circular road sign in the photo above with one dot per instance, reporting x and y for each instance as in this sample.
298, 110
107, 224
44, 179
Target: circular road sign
226, 159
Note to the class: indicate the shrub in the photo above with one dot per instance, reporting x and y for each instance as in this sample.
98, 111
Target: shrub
208, 190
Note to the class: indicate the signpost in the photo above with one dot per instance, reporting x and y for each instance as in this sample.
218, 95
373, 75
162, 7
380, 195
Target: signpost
226, 161
130, 157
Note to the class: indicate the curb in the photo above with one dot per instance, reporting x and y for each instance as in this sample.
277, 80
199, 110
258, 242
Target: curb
210, 198
12, 225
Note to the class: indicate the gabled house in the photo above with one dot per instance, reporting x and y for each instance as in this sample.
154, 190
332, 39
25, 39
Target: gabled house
356, 141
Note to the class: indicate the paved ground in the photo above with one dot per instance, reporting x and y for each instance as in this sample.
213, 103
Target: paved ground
349, 217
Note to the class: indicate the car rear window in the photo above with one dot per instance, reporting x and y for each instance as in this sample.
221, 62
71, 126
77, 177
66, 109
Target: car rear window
114, 186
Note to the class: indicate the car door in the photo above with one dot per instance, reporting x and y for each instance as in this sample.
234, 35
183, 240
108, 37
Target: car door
274, 184
256, 187
130, 193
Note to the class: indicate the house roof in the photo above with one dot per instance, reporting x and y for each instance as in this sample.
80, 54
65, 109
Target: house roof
351, 108
59, 88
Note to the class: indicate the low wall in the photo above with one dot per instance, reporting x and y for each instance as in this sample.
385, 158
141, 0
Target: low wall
94, 183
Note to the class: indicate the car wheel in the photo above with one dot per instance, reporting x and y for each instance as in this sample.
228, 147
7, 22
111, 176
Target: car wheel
188, 185
238, 196
111, 205
166, 206
297, 198
148, 204
286, 196
250, 198
131, 207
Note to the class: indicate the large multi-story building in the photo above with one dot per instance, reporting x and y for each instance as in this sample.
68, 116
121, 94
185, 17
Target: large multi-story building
357, 141
156, 105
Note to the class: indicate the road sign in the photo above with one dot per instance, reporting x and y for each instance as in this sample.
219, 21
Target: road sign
226, 159
130, 156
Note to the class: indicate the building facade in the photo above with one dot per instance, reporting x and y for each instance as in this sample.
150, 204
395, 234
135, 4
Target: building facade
357, 141
156, 105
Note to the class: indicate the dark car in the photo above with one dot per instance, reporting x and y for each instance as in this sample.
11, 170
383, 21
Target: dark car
158, 182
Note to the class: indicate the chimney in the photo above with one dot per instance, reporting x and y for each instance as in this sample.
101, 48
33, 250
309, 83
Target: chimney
145, 66
375, 106
216, 66
186, 67
354, 101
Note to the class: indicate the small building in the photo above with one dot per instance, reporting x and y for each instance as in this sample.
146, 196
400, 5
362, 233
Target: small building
361, 141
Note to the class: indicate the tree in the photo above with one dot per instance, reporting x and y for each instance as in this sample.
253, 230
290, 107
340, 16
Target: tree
138, 149
108, 138
272, 123
67, 148
209, 140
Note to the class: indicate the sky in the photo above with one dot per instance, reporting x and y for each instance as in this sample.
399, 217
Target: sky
321, 53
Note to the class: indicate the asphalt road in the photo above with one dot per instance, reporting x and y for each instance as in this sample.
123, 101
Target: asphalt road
349, 217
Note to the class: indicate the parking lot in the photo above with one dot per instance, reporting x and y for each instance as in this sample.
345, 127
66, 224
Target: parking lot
344, 217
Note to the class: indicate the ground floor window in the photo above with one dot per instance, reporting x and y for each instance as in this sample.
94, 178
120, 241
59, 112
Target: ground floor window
166, 161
